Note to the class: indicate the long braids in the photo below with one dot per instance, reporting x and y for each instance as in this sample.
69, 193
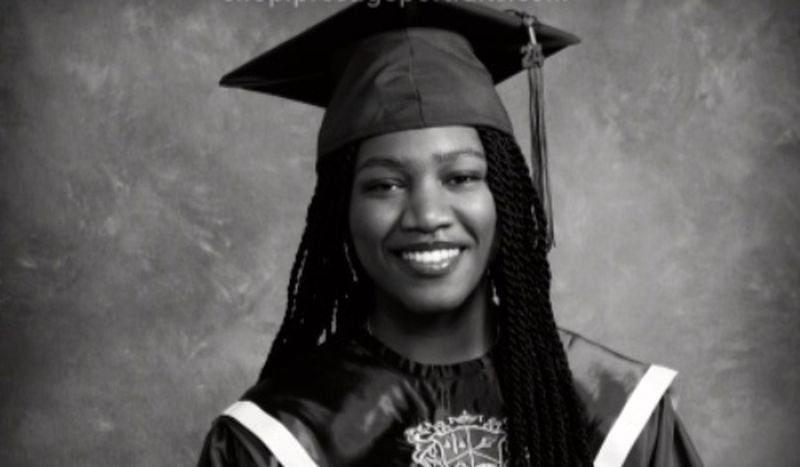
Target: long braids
545, 418
321, 284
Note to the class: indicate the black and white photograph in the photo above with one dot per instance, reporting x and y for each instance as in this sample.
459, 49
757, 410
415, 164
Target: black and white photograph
418, 233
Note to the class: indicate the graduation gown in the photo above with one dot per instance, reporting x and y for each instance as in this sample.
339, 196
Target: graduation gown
358, 403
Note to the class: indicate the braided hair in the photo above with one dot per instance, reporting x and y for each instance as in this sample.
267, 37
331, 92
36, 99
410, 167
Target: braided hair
546, 425
545, 414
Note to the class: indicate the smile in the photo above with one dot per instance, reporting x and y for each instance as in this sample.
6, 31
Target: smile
428, 262
434, 257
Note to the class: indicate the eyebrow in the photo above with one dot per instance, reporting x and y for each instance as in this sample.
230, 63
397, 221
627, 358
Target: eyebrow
396, 161
451, 155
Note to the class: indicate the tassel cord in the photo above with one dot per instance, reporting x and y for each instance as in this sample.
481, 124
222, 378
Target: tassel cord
532, 60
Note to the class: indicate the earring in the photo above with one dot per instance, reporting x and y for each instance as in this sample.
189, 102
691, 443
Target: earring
495, 296
353, 272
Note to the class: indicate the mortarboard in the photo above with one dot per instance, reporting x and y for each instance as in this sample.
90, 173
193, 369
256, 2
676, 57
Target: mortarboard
391, 66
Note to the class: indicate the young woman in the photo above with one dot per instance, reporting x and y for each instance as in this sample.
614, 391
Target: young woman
418, 329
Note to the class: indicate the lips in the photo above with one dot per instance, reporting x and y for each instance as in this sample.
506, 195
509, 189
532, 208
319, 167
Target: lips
430, 260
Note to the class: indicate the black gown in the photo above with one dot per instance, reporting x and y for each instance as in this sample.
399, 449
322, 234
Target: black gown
358, 403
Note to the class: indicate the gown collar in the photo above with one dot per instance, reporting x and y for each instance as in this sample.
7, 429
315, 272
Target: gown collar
399, 362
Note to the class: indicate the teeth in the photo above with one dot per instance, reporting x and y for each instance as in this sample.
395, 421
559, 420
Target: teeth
430, 257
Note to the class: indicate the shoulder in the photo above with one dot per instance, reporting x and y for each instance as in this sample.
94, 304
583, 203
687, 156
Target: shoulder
323, 378
229, 443
629, 411
603, 377
289, 412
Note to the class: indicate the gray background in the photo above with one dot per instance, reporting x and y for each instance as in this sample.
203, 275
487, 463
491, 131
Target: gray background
149, 218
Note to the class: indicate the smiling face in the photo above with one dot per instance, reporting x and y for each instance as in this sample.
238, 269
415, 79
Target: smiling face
422, 218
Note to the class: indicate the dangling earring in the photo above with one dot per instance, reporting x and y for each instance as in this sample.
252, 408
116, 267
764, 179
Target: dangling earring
353, 272
495, 296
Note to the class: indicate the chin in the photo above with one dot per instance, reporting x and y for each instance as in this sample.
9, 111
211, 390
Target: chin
432, 302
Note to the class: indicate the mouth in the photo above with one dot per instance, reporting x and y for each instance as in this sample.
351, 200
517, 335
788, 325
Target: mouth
430, 260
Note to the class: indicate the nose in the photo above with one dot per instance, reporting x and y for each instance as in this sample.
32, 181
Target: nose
426, 209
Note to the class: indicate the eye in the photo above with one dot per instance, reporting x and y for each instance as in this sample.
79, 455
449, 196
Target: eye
382, 186
464, 178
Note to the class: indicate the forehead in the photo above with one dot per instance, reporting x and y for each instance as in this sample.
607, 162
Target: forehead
436, 143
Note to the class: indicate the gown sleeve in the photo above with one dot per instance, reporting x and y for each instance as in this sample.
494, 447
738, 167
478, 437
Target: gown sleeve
228, 444
605, 382
664, 442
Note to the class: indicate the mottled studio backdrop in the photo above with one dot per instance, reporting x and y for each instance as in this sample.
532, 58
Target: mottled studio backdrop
148, 218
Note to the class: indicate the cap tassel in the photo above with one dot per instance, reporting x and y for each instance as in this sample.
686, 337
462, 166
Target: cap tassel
532, 60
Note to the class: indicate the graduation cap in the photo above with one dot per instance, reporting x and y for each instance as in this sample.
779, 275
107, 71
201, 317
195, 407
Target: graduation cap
407, 64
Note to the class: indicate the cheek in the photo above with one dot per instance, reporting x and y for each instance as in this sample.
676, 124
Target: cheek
483, 217
369, 225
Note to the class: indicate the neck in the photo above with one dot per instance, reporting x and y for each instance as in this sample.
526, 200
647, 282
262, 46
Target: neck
440, 338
